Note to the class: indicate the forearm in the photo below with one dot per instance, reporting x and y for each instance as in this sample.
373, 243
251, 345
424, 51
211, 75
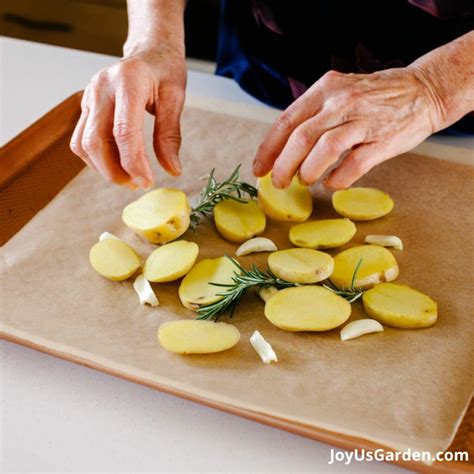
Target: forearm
447, 73
151, 22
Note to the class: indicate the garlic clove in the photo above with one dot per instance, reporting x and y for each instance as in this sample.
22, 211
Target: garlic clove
263, 348
385, 241
107, 235
144, 291
266, 292
257, 244
359, 328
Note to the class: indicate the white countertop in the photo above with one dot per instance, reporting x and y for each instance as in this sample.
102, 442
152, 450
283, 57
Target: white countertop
57, 416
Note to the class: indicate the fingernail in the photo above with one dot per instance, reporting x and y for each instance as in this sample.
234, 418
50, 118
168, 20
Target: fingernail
278, 184
302, 181
176, 163
142, 182
256, 167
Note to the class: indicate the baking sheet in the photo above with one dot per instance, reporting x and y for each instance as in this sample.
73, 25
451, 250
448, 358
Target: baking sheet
399, 388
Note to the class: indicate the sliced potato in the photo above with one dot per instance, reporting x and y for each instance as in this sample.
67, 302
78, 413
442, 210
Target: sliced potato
170, 261
323, 234
195, 289
114, 259
307, 308
362, 204
239, 221
160, 215
400, 306
293, 204
378, 265
193, 336
301, 265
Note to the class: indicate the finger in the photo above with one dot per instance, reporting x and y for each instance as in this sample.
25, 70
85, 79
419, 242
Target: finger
76, 139
300, 110
358, 162
97, 140
167, 131
299, 145
328, 150
128, 134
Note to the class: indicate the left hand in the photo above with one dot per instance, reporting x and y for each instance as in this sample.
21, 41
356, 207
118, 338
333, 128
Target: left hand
369, 118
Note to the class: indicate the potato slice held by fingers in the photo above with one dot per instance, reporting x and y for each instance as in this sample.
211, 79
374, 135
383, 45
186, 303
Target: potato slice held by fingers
114, 259
170, 261
323, 234
301, 265
194, 336
195, 289
293, 204
377, 265
362, 204
239, 221
400, 306
307, 308
159, 216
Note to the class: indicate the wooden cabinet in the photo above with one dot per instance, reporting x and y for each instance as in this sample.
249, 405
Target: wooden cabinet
91, 25
100, 25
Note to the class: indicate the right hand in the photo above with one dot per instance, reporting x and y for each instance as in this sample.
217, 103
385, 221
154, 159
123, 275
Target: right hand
108, 135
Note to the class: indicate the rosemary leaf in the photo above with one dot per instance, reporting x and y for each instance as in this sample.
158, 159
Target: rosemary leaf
214, 192
245, 279
350, 294
242, 281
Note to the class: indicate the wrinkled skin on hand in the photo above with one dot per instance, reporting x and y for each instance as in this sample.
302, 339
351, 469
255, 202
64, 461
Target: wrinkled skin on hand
109, 136
366, 118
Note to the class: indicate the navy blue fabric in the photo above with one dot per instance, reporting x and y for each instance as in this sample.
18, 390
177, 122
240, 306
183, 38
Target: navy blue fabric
313, 37
236, 58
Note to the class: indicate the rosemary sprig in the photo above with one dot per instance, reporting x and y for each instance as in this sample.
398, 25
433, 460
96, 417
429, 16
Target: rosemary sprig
214, 192
350, 294
262, 278
234, 291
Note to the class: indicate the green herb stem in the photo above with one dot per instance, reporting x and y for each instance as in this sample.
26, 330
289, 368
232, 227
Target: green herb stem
214, 192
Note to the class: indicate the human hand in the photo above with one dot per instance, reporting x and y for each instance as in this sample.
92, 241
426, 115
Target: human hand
108, 135
366, 118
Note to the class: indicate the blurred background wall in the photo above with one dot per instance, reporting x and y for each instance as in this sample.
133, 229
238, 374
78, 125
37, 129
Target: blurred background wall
100, 25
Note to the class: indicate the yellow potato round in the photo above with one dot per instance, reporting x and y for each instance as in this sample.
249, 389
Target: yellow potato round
160, 215
301, 265
378, 265
293, 204
324, 234
114, 259
195, 289
400, 306
194, 336
239, 221
307, 308
171, 261
362, 204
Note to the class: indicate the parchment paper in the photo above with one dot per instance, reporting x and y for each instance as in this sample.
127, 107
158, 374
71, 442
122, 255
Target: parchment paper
401, 388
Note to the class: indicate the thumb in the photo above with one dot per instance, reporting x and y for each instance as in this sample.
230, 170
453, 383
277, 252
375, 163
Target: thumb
167, 131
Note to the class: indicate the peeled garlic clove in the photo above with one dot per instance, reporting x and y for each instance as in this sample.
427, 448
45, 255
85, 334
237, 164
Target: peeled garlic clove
263, 348
385, 241
359, 328
267, 292
107, 235
257, 244
144, 291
